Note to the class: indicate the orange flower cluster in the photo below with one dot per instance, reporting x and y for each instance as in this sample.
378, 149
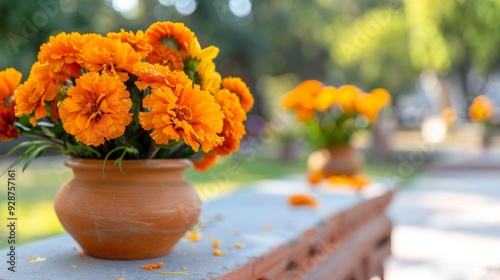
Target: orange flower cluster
150, 93
334, 114
481, 109
312, 96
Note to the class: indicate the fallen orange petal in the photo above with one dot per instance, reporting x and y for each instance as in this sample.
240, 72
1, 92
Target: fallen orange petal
80, 256
302, 200
193, 236
315, 177
239, 245
217, 243
151, 266
218, 252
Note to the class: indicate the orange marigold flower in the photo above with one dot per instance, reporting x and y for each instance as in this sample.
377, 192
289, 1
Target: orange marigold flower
382, 95
233, 129
62, 52
10, 79
482, 108
109, 55
369, 105
156, 76
138, 41
207, 162
187, 112
164, 55
346, 98
302, 200
97, 108
301, 99
31, 96
173, 34
238, 86
206, 76
326, 98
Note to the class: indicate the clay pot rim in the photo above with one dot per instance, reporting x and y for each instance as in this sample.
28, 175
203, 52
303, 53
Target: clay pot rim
84, 163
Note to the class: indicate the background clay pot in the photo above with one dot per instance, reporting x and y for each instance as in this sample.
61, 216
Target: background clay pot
140, 214
339, 160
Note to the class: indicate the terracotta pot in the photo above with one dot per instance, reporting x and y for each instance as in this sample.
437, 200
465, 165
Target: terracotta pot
338, 160
137, 215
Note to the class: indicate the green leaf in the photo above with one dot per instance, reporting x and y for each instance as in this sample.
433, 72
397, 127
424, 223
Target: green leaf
34, 154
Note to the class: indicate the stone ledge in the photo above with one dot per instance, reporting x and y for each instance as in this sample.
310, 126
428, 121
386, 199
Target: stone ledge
348, 235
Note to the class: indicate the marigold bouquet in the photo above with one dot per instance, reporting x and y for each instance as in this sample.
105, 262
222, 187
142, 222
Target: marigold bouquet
334, 114
144, 95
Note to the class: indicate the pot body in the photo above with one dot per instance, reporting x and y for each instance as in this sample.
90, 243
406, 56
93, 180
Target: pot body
337, 160
140, 214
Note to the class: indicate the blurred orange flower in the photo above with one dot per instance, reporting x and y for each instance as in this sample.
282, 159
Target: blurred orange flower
326, 98
110, 56
370, 104
238, 86
482, 108
138, 41
187, 112
233, 129
10, 79
62, 52
207, 162
97, 108
301, 99
346, 98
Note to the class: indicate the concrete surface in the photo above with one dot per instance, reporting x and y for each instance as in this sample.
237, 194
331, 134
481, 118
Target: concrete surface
447, 222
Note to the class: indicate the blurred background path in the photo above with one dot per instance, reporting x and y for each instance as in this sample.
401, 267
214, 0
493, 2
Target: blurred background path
447, 221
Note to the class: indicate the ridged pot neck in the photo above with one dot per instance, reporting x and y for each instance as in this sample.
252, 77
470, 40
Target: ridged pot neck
131, 163
172, 169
